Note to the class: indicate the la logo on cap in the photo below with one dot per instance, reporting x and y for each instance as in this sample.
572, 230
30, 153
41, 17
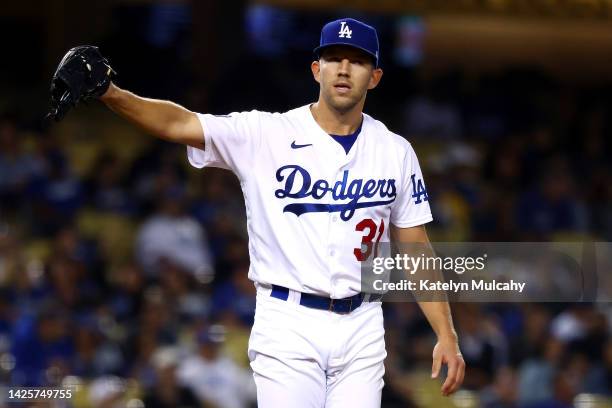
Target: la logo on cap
345, 31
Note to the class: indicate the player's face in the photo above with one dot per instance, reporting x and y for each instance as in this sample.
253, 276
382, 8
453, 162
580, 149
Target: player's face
345, 75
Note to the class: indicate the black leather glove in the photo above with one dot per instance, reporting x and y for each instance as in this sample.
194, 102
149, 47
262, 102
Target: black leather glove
82, 74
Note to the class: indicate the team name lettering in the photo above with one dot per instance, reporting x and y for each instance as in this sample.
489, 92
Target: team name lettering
299, 184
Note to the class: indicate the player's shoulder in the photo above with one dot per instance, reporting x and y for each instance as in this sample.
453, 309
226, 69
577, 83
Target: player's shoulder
386, 136
253, 118
293, 114
298, 113
294, 118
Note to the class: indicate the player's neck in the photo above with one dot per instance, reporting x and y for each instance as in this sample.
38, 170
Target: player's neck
335, 122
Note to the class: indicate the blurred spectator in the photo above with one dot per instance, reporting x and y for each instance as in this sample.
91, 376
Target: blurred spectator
483, 345
106, 392
17, 167
67, 272
105, 187
532, 334
155, 318
583, 329
94, 355
235, 297
24, 283
503, 392
569, 325
182, 291
598, 379
214, 378
58, 195
154, 329
215, 200
167, 392
433, 115
40, 343
125, 296
537, 374
173, 235
555, 206
156, 171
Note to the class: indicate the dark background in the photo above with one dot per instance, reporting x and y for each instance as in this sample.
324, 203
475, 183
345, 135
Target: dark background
102, 228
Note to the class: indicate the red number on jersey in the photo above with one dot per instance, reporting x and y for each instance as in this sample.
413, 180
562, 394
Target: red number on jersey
367, 239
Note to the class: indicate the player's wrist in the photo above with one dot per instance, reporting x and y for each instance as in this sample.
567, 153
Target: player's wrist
110, 93
449, 337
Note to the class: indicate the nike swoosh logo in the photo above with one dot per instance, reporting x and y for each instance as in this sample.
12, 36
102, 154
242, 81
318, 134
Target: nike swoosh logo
297, 146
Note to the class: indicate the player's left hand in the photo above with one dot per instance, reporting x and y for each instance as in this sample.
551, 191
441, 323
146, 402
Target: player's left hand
447, 352
82, 74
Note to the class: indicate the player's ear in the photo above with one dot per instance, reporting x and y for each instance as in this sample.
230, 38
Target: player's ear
375, 78
315, 67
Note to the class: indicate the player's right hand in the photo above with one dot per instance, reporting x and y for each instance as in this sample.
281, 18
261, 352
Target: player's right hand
81, 75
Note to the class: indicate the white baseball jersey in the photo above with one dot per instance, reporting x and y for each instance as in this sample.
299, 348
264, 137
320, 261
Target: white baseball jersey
309, 204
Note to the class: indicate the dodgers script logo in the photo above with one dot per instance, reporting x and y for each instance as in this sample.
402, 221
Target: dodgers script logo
299, 184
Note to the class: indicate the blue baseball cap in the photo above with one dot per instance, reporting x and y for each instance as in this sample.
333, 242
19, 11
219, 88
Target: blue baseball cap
351, 32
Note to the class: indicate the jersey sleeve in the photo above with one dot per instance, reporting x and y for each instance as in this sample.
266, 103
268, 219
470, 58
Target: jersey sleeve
411, 207
230, 141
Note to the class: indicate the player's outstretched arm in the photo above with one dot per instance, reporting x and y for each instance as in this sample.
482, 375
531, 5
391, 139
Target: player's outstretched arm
438, 314
164, 119
84, 74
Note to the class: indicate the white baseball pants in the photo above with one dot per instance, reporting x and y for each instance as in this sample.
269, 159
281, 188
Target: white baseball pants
309, 358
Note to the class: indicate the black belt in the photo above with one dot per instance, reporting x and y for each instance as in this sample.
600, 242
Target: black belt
341, 306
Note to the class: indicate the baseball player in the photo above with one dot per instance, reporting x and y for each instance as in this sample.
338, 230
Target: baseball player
321, 183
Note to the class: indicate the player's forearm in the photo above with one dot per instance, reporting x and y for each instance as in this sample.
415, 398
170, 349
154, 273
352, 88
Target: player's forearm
163, 119
414, 242
438, 315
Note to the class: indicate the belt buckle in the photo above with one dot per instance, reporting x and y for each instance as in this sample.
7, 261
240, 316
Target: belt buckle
332, 303
350, 308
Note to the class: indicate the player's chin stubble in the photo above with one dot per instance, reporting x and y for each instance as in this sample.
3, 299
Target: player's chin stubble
341, 104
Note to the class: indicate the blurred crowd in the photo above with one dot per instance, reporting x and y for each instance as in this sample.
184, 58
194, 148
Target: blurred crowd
127, 279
